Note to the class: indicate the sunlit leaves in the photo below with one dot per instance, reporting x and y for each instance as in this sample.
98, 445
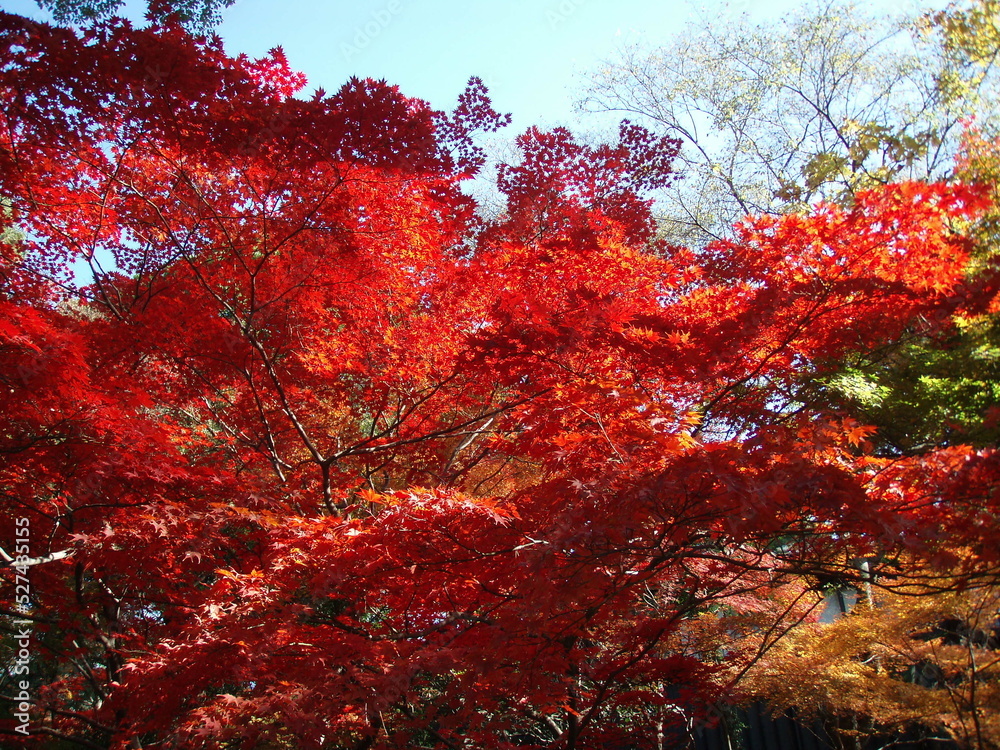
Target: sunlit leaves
319, 457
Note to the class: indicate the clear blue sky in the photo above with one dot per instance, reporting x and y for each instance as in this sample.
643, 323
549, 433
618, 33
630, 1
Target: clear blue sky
531, 53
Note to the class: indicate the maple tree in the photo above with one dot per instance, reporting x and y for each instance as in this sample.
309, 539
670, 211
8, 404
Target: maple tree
929, 660
318, 457
921, 391
824, 103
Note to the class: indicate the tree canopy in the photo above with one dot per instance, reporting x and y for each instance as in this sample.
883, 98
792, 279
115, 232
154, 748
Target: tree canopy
197, 15
826, 103
318, 457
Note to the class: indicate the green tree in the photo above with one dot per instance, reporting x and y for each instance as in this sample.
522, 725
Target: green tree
196, 15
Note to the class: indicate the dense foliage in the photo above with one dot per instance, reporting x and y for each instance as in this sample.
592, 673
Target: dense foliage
318, 457
199, 16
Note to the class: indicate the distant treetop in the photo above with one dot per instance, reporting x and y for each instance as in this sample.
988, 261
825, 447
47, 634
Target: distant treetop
196, 15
